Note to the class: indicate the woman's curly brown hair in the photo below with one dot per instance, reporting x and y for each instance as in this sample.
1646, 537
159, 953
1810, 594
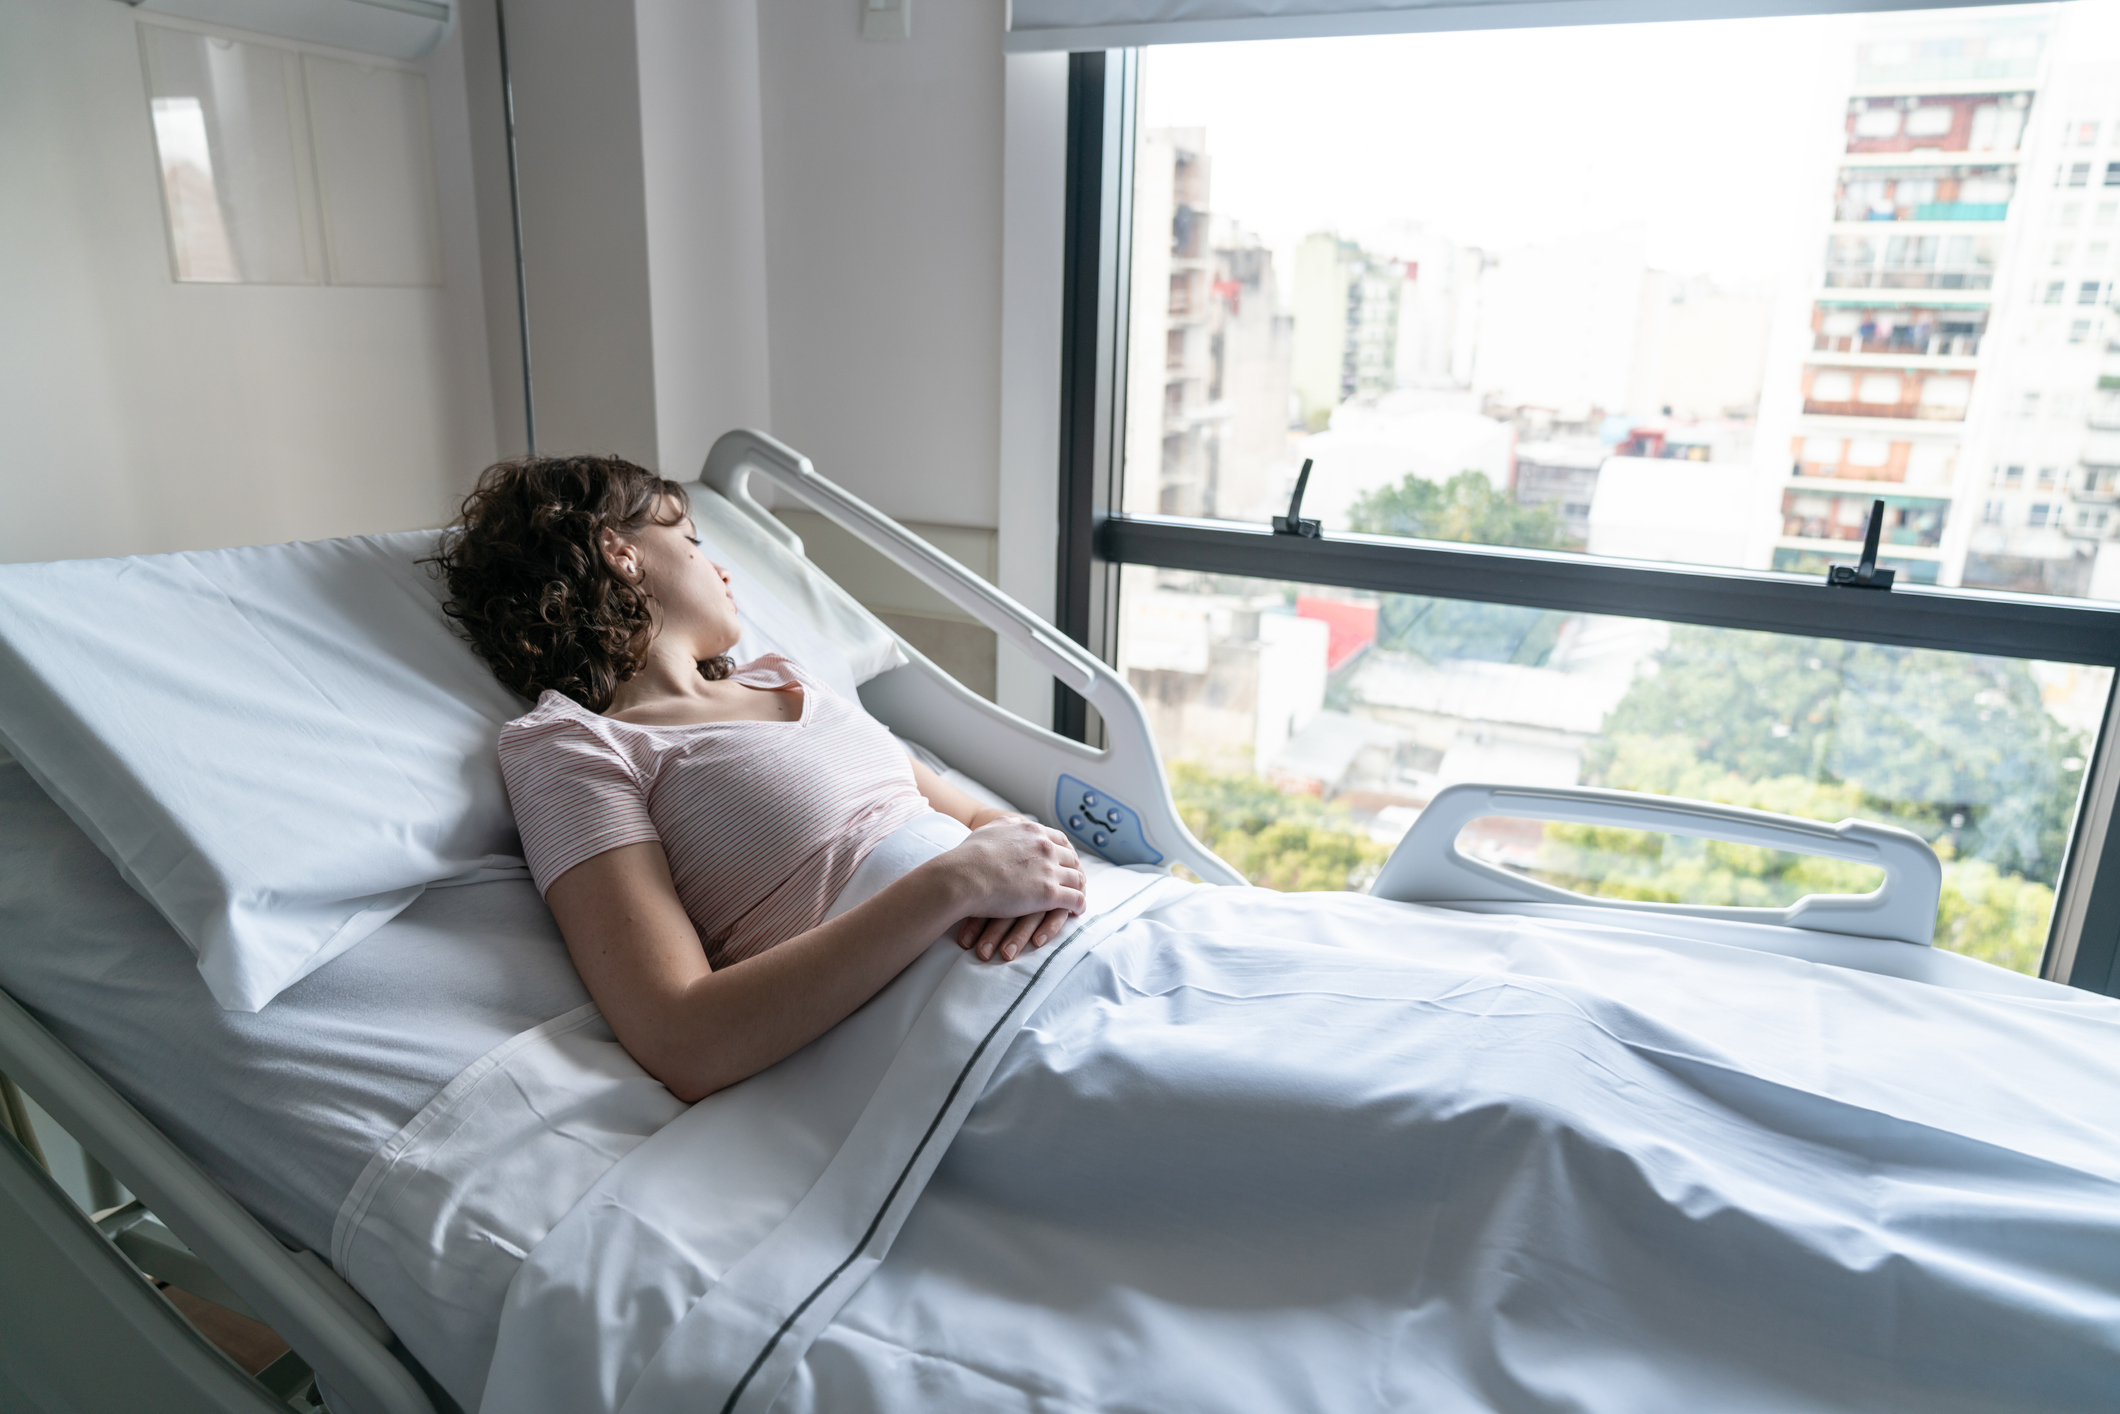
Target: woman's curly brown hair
529, 583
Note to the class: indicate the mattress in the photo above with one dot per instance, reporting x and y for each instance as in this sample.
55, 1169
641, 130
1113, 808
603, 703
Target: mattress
284, 1106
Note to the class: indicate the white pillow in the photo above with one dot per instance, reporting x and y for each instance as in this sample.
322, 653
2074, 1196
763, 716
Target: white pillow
281, 746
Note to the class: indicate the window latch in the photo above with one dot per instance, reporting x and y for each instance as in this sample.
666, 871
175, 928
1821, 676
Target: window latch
1865, 575
1294, 524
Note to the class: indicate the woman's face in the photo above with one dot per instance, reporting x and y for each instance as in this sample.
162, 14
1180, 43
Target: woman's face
691, 592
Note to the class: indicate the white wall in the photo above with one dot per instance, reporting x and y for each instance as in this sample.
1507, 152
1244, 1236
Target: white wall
144, 415
883, 206
704, 170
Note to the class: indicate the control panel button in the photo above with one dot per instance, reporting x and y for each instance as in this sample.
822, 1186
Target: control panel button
1096, 822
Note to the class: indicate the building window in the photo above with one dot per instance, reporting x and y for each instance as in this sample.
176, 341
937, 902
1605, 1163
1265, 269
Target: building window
1879, 388
2036, 517
1502, 396
2085, 132
2079, 332
2047, 475
2028, 406
2087, 292
2112, 174
2063, 253
2107, 210
1830, 385
2079, 174
2055, 289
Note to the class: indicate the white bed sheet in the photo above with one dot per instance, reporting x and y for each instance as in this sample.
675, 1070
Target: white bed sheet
282, 1106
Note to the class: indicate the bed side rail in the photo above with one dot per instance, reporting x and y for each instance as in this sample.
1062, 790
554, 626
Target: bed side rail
1428, 867
309, 1305
1072, 778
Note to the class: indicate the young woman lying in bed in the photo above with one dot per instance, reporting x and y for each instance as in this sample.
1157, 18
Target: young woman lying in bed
690, 820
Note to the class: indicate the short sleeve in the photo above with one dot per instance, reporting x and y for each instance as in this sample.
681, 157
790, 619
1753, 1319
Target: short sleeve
574, 794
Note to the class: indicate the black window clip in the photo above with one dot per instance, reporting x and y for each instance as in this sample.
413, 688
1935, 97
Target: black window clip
1865, 575
1293, 523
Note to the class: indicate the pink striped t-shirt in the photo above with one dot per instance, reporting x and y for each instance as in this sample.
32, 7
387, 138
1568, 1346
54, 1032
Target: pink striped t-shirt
763, 823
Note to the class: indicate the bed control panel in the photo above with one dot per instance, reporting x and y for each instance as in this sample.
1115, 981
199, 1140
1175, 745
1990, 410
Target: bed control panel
1108, 828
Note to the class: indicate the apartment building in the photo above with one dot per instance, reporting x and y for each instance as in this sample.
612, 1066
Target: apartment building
2047, 521
1208, 351
1347, 307
1898, 382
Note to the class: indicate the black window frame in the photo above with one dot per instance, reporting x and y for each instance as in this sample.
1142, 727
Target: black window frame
1096, 539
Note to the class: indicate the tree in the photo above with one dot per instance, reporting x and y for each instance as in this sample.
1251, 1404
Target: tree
1955, 747
1465, 508
1293, 843
1984, 913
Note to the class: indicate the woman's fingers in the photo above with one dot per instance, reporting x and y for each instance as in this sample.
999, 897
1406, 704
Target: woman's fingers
1019, 935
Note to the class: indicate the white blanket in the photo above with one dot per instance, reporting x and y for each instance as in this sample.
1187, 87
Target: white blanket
1253, 1152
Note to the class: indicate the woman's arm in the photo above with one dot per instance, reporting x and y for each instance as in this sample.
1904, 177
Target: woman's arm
698, 1029
954, 802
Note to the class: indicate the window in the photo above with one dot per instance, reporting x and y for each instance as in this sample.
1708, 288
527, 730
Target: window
2047, 476
2036, 517
285, 168
1945, 396
2079, 332
2070, 213
2112, 174
2079, 174
1506, 375
1883, 123
2087, 292
1879, 388
2063, 253
1831, 385
2107, 210
2084, 133
1869, 452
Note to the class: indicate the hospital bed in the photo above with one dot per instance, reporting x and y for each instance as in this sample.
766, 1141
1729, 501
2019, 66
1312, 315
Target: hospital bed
234, 1202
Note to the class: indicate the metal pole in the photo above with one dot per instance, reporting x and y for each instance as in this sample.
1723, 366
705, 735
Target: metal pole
515, 212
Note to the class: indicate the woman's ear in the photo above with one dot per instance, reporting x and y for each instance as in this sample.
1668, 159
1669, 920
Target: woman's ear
620, 554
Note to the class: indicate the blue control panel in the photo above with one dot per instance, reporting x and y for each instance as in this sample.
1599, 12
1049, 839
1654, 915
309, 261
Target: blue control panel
1106, 827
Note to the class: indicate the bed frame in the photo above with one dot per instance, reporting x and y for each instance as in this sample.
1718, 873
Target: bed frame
83, 1330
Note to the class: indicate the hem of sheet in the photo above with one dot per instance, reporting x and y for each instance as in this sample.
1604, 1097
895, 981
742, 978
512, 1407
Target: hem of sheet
428, 1223
755, 1324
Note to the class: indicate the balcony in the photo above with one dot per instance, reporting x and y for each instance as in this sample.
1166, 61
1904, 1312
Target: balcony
1855, 277
1939, 123
1900, 343
1913, 522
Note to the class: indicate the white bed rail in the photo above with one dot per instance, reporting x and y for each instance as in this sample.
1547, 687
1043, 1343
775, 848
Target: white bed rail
310, 1306
1428, 867
1037, 768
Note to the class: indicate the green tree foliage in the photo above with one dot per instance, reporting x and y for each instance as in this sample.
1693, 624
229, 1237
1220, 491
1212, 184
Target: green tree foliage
1293, 843
1957, 748
1985, 912
1465, 508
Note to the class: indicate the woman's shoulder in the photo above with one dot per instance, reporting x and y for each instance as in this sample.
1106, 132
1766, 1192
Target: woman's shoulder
557, 722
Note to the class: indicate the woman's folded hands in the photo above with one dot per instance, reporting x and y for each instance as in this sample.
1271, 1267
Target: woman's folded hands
1019, 881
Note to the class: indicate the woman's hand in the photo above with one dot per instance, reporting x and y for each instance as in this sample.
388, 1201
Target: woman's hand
1020, 883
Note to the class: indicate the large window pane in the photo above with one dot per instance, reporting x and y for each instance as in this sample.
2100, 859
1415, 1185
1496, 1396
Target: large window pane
1691, 292
1307, 727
